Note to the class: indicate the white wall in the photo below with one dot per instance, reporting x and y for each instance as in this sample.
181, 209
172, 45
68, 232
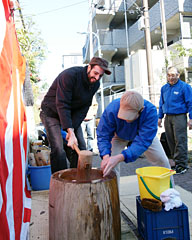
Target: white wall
136, 76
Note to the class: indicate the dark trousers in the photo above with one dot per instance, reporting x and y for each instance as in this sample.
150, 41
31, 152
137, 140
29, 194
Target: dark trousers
176, 134
59, 149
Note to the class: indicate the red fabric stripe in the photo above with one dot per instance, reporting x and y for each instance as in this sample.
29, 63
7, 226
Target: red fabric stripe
5, 73
27, 192
27, 215
6, 7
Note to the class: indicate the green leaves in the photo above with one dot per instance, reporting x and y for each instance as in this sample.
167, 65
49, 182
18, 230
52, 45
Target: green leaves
32, 46
181, 51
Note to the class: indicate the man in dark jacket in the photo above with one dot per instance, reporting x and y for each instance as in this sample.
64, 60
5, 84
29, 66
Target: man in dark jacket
175, 102
65, 106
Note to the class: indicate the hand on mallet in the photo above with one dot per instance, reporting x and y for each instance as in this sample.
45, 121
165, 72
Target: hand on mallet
71, 138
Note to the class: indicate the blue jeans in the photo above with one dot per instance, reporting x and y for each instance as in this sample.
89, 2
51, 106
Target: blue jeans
88, 129
59, 149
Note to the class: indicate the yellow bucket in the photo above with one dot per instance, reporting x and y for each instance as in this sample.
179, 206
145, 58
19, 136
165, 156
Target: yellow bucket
153, 181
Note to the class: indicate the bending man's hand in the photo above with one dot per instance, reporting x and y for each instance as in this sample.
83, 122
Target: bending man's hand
110, 162
104, 161
71, 138
160, 122
190, 124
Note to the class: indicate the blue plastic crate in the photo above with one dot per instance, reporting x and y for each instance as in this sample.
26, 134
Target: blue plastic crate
173, 224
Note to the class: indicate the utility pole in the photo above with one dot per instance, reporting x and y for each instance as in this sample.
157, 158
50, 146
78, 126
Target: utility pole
148, 50
164, 31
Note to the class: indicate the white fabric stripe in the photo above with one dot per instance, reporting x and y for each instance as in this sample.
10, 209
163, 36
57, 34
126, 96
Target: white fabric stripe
25, 226
24, 231
3, 25
18, 99
9, 160
26, 201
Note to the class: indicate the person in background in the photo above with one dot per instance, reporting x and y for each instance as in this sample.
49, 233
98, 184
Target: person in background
126, 130
65, 107
88, 124
175, 102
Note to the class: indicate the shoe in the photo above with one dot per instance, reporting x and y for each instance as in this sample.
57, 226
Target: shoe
180, 170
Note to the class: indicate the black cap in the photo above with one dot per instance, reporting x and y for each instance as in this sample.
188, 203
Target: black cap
100, 62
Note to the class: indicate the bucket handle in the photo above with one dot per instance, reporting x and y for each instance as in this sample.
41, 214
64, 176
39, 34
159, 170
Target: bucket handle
149, 191
166, 174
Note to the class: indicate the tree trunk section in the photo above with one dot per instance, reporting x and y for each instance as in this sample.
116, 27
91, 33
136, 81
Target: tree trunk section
84, 210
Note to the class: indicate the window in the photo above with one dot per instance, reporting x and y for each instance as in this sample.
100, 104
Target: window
189, 80
187, 26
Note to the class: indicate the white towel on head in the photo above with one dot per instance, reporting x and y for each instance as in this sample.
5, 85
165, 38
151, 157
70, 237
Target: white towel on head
171, 198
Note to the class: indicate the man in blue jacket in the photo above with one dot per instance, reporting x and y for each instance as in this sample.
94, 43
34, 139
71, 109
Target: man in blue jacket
129, 122
175, 102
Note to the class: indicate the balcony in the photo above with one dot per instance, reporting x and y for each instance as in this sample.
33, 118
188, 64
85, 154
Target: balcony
136, 37
111, 42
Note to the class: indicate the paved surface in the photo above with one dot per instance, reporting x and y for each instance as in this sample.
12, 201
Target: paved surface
184, 180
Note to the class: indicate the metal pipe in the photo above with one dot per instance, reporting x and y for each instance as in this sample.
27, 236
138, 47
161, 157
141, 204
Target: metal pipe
164, 30
126, 28
90, 30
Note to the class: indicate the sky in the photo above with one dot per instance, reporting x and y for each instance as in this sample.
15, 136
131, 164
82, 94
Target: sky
59, 21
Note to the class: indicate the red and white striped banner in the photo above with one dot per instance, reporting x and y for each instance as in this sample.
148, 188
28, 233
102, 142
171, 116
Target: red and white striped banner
15, 199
